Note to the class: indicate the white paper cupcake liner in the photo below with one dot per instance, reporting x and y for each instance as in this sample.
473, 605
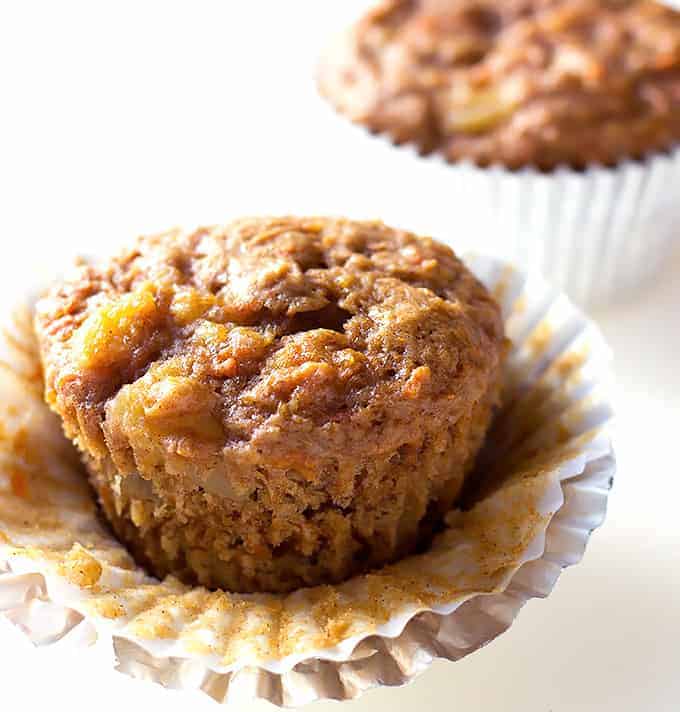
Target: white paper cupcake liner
544, 479
597, 234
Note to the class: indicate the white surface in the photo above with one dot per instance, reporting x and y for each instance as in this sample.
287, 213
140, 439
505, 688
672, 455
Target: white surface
123, 117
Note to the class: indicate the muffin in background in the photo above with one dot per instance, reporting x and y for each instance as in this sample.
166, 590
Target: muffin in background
560, 121
276, 403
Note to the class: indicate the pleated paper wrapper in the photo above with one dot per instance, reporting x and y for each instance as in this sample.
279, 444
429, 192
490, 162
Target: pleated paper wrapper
600, 234
543, 481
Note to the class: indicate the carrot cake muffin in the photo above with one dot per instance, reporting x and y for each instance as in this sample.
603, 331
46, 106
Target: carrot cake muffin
275, 403
519, 82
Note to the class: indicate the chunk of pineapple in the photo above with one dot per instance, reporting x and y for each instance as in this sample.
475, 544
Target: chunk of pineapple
188, 304
483, 110
111, 333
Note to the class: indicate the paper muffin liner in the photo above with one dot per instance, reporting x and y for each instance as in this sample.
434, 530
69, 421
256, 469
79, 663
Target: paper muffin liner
542, 485
598, 234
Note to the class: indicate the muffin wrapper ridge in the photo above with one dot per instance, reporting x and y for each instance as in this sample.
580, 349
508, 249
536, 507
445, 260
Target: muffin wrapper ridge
544, 480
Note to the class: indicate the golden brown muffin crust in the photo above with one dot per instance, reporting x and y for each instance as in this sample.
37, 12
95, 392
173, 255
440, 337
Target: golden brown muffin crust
520, 83
245, 394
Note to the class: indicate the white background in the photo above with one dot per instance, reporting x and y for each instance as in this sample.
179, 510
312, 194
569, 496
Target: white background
119, 118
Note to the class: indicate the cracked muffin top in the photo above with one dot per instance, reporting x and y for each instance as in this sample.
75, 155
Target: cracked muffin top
292, 335
520, 82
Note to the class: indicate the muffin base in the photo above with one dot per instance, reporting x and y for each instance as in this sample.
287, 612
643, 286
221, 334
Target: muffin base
599, 234
200, 538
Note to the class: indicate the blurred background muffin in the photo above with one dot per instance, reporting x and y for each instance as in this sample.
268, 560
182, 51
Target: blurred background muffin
561, 120
245, 396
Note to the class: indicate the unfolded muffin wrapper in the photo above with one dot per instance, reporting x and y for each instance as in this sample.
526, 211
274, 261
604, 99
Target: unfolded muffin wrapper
544, 478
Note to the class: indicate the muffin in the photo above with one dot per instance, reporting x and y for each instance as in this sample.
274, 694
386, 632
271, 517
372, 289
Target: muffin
276, 403
521, 83
582, 95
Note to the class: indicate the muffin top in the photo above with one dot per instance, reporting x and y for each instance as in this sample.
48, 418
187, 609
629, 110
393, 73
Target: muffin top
519, 82
310, 336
